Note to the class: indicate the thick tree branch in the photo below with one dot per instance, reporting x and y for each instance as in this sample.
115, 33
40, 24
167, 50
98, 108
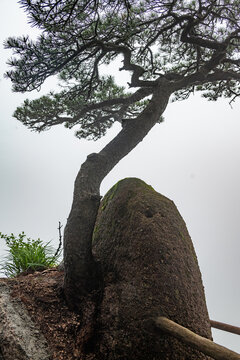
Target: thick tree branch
137, 70
125, 101
190, 38
214, 61
195, 40
200, 78
222, 75
231, 61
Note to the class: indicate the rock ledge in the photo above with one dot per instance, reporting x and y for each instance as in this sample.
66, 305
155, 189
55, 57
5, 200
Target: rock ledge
19, 337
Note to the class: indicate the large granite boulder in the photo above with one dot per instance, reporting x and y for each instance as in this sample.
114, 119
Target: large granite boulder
149, 269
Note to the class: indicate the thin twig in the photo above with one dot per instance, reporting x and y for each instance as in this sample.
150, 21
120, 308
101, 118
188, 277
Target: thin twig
60, 239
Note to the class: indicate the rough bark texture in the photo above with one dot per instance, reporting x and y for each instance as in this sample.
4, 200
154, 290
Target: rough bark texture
150, 269
81, 273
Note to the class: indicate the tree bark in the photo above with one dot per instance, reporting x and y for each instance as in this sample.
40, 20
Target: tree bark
81, 273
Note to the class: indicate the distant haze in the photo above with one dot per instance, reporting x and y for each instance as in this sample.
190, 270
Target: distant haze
193, 158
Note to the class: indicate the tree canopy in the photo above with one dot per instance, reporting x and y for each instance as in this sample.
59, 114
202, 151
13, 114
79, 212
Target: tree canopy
194, 44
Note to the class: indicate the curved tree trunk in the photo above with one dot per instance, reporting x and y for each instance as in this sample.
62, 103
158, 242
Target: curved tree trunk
81, 275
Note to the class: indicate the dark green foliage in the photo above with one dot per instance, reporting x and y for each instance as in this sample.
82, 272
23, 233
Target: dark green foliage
192, 44
27, 255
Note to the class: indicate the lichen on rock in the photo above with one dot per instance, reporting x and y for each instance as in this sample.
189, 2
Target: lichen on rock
149, 269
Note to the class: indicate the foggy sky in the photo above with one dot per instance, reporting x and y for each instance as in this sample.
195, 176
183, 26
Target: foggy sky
192, 158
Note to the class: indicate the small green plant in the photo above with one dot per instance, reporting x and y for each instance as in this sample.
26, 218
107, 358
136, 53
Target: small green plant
26, 254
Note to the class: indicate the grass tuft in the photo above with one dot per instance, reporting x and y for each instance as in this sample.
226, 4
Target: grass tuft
26, 254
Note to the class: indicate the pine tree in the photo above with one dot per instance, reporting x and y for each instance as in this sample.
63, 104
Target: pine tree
171, 48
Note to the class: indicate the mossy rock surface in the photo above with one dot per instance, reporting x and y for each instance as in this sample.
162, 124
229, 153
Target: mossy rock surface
150, 268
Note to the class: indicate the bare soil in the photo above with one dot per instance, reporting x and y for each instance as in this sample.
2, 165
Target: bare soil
41, 293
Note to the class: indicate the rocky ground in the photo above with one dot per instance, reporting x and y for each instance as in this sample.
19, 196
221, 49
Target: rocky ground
41, 294
149, 268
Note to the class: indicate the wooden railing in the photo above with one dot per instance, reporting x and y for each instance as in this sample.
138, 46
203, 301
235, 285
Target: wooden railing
225, 327
202, 344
